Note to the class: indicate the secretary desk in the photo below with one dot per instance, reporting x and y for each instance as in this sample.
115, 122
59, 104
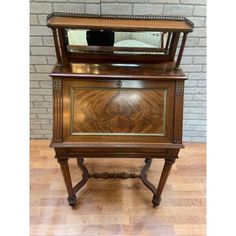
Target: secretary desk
117, 92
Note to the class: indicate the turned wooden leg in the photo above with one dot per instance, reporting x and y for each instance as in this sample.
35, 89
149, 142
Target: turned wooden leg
67, 179
164, 175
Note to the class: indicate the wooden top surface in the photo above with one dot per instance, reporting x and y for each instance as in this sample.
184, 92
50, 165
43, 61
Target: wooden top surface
129, 23
117, 70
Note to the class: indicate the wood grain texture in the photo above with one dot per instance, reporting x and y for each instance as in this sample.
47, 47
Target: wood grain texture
118, 111
57, 48
119, 24
118, 207
116, 70
57, 107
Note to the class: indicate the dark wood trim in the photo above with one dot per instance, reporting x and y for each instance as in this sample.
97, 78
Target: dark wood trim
143, 175
114, 175
57, 48
178, 113
174, 44
168, 42
104, 76
115, 145
164, 175
158, 71
110, 16
112, 57
67, 179
85, 175
57, 110
63, 46
181, 50
104, 49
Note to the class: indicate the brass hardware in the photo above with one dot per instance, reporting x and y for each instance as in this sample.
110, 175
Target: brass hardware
109, 16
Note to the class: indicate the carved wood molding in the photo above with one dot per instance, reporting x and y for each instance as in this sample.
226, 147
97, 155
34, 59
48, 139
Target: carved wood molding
179, 89
115, 175
57, 111
57, 83
178, 114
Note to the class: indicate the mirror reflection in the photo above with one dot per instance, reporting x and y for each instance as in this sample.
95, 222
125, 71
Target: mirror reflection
83, 40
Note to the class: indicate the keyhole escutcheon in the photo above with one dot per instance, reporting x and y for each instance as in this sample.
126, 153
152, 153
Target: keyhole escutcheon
119, 84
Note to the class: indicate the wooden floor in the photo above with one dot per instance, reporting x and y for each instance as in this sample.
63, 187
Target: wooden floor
118, 207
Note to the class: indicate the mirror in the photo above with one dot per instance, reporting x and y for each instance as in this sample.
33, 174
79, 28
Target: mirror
143, 42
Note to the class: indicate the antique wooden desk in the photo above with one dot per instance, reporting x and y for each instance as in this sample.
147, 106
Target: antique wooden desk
118, 92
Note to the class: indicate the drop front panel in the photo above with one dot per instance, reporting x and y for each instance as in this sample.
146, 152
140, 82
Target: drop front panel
112, 110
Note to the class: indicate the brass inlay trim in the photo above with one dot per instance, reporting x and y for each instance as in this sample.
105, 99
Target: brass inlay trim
116, 134
72, 110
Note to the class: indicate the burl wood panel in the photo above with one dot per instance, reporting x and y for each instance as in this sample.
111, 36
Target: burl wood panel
100, 109
118, 111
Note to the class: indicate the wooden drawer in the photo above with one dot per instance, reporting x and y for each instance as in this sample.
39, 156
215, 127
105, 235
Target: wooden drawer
117, 110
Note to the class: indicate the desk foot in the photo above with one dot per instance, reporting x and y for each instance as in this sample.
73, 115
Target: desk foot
67, 179
72, 200
164, 175
156, 201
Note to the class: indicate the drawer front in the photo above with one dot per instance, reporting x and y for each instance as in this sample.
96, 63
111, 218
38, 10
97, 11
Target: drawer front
117, 110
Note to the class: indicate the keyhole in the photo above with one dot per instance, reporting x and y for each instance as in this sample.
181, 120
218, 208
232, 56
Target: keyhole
119, 84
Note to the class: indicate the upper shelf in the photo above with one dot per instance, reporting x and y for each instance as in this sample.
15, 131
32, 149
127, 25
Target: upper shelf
118, 38
129, 23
